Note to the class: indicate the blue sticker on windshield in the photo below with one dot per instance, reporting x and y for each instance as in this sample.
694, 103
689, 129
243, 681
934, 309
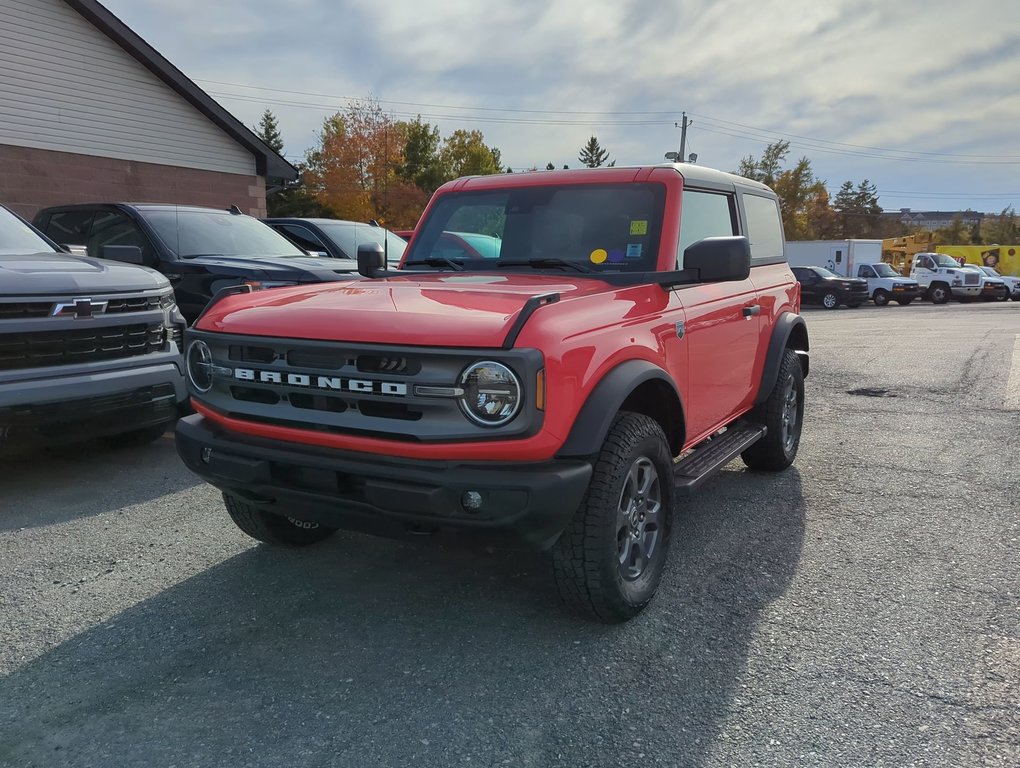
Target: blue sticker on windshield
615, 256
634, 250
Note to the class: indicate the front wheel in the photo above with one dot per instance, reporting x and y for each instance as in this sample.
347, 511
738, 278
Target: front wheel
783, 415
939, 293
272, 528
609, 561
881, 297
830, 300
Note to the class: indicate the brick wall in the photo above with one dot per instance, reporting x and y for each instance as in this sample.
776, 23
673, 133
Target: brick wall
31, 179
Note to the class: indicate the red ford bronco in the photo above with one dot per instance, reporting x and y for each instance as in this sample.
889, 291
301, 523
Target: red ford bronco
557, 357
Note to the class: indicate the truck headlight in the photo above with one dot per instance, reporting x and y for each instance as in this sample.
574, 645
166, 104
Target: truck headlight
492, 393
200, 366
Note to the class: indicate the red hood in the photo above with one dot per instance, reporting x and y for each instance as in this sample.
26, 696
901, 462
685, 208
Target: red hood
474, 310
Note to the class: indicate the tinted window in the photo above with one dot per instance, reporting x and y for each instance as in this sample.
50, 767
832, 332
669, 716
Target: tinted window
16, 237
704, 214
188, 232
349, 235
764, 228
865, 271
302, 237
113, 228
69, 227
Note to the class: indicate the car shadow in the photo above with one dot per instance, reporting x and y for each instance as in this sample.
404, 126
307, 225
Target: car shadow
48, 486
362, 651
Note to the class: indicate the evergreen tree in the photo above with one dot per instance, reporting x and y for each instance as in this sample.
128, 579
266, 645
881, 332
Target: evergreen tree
592, 154
550, 167
269, 131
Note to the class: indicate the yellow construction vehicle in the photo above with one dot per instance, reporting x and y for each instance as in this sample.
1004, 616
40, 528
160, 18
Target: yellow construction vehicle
899, 251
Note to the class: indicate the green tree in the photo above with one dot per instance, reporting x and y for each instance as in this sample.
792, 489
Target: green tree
857, 209
268, 130
592, 154
422, 165
803, 199
1002, 229
956, 233
464, 153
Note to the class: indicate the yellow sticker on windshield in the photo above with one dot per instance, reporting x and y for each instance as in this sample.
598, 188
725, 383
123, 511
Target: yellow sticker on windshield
639, 227
598, 256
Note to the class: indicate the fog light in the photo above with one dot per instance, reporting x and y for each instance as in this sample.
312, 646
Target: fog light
206, 455
471, 501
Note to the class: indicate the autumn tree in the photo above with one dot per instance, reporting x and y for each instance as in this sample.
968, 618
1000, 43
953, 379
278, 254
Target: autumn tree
354, 170
803, 199
1003, 229
592, 154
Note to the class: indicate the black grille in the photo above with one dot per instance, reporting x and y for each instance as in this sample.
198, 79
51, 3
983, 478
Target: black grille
133, 304
23, 309
48, 348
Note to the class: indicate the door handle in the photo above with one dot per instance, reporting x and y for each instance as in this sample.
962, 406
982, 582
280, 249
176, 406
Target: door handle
752, 310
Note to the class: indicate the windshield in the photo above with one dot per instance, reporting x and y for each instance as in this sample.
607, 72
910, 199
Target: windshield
989, 271
189, 232
349, 235
884, 270
17, 238
944, 260
582, 227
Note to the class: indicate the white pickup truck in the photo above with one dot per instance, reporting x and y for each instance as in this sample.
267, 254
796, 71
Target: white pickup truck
885, 284
941, 278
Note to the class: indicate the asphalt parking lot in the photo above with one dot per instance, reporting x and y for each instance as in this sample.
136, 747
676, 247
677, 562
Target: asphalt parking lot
860, 609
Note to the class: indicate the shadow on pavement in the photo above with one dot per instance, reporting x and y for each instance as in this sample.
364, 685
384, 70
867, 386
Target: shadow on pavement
55, 485
366, 652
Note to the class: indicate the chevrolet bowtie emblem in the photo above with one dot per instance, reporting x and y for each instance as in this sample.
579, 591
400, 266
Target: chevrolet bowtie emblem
80, 308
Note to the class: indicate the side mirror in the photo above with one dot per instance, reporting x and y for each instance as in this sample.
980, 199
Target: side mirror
129, 254
371, 259
718, 259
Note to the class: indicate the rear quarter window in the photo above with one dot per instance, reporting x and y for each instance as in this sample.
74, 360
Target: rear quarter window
764, 228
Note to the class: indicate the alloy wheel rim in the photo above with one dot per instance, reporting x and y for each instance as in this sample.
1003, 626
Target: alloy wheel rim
639, 519
791, 416
830, 300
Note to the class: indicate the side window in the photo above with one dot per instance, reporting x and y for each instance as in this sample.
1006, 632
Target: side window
704, 214
70, 227
865, 271
303, 238
764, 228
113, 228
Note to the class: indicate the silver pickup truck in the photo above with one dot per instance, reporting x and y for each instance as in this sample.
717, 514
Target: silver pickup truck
88, 347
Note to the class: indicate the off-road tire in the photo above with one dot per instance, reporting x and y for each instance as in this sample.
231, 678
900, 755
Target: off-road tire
587, 563
778, 448
939, 293
272, 528
880, 297
830, 300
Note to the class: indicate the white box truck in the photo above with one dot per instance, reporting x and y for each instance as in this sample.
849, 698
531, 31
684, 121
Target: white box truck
838, 256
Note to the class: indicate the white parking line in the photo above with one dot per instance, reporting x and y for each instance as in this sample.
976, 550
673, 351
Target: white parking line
1013, 382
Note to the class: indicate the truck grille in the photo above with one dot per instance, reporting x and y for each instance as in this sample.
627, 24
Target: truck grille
48, 348
971, 279
24, 309
20, 310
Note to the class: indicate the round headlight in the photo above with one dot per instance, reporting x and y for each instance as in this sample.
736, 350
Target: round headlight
492, 393
200, 366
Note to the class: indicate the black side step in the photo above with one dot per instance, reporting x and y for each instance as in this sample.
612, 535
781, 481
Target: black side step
705, 461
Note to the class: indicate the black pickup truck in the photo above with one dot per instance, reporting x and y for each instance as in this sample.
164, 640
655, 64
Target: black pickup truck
200, 250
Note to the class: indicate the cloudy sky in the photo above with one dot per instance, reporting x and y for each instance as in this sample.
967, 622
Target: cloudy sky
920, 97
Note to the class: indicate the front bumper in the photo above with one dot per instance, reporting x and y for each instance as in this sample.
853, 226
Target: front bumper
966, 291
522, 504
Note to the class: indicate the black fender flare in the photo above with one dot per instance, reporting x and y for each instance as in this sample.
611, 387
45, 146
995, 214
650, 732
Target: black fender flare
596, 415
786, 326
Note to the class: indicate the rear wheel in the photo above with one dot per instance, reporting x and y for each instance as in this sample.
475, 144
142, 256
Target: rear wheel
881, 297
609, 561
830, 300
272, 528
782, 414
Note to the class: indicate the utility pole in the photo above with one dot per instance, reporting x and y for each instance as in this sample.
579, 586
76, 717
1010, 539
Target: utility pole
683, 136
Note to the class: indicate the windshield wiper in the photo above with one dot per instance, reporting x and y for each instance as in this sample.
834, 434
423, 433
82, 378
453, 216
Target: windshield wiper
543, 262
436, 261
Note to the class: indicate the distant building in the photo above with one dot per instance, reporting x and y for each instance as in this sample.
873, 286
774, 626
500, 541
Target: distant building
90, 112
929, 221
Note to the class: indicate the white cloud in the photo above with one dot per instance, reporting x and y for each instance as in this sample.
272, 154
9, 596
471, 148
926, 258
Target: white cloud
935, 77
